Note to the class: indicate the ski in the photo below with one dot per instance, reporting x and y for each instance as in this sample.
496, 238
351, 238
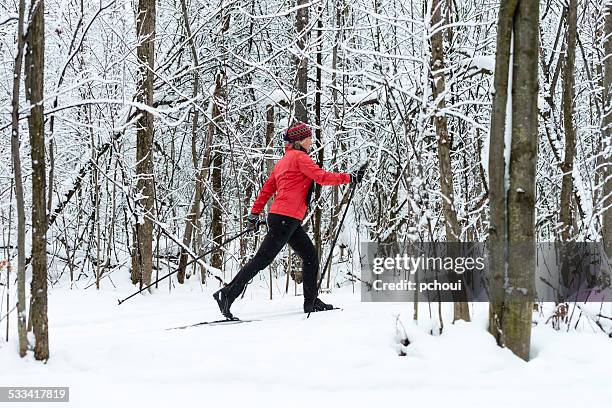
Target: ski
329, 310
277, 316
289, 314
223, 322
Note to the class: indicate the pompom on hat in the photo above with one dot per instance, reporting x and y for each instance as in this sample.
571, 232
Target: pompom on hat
297, 132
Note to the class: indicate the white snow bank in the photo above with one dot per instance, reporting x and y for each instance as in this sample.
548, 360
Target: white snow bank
113, 355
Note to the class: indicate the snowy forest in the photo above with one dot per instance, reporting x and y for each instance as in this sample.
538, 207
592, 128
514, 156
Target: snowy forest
137, 134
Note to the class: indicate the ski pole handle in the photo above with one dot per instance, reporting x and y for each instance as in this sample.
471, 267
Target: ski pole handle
255, 226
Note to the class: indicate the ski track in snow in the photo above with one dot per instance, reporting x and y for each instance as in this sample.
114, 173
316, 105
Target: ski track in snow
125, 356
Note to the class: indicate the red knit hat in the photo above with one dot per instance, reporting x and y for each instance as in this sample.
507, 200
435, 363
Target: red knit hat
297, 132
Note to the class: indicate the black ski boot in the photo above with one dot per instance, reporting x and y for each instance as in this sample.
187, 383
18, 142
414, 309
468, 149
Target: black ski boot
225, 302
316, 306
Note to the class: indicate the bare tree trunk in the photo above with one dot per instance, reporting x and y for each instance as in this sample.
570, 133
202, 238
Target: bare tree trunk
196, 82
216, 226
461, 308
194, 136
142, 257
497, 189
202, 172
520, 283
512, 290
269, 165
567, 185
318, 137
334, 75
269, 162
34, 69
201, 175
269, 138
217, 162
440, 120
96, 199
8, 283
16, 161
301, 106
606, 126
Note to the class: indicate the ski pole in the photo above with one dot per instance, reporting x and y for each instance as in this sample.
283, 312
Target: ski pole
192, 261
333, 245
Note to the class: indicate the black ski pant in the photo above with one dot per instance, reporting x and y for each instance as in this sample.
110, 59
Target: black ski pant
281, 230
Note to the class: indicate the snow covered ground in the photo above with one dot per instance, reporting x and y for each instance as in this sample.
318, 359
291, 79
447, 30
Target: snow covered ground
123, 356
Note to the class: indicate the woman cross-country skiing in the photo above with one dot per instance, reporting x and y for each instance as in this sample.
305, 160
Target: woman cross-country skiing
292, 180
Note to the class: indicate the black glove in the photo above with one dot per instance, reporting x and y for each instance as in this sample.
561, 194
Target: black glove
252, 222
356, 176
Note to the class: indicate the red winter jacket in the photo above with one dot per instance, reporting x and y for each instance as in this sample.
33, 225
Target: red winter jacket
290, 179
